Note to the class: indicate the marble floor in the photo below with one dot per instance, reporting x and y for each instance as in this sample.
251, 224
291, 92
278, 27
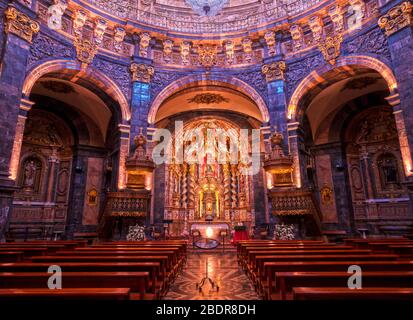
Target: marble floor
222, 268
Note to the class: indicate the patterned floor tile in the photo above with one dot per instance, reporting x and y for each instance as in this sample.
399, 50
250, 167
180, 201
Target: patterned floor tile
222, 268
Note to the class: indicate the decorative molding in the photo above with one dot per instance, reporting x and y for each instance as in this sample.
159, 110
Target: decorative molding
270, 40
397, 18
331, 48
20, 24
142, 72
85, 51
207, 55
208, 98
274, 71
145, 39
298, 36
168, 45
185, 52
316, 25
99, 31
119, 36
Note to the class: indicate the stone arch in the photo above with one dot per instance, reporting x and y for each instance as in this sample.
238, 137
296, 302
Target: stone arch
346, 64
202, 80
99, 79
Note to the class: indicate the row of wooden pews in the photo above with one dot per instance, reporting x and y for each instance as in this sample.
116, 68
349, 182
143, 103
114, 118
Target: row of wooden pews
301, 270
114, 270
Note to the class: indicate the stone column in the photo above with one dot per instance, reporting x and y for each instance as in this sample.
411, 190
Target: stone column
397, 24
53, 161
274, 73
142, 72
19, 29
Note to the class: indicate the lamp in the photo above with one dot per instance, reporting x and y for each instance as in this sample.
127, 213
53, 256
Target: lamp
208, 8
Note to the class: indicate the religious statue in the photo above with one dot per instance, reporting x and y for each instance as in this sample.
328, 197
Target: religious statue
140, 143
29, 175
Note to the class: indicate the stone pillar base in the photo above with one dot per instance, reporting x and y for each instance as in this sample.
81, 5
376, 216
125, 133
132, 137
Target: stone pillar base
7, 188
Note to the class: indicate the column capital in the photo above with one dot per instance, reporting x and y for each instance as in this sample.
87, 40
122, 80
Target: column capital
274, 71
397, 18
142, 72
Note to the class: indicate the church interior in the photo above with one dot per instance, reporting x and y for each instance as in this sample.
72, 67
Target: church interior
206, 149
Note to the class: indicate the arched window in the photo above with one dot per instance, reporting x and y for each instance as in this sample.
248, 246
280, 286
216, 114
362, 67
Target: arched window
388, 168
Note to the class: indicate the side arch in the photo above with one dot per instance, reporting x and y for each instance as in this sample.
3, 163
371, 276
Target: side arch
95, 76
316, 78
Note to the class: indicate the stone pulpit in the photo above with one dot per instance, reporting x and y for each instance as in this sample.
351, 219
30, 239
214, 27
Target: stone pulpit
133, 204
288, 203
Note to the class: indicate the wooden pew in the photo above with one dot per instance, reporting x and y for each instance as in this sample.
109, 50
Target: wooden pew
152, 267
243, 256
137, 282
28, 252
250, 263
11, 256
65, 294
162, 260
171, 267
270, 268
286, 281
404, 251
261, 273
345, 293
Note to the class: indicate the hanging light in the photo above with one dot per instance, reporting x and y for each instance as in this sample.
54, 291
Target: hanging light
207, 8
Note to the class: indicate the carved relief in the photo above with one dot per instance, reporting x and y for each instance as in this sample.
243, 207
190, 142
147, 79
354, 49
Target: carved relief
185, 52
316, 25
100, 28
331, 48
207, 55
247, 47
119, 36
297, 36
167, 49
20, 24
144, 42
208, 98
274, 71
45, 47
270, 40
55, 14
142, 72
397, 18
336, 15
230, 51
85, 50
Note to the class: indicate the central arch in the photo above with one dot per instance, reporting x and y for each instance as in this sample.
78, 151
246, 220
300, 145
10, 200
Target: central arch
202, 81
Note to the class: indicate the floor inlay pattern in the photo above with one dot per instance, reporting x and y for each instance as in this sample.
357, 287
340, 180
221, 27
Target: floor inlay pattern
222, 268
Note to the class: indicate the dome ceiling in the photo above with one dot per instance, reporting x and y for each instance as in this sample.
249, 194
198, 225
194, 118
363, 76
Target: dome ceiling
205, 16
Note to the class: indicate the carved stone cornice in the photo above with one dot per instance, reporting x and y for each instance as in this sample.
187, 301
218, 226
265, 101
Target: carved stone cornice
274, 71
397, 18
330, 47
20, 24
142, 72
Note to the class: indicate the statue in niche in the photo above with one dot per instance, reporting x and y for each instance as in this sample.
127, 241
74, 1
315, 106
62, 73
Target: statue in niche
364, 131
388, 166
30, 170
